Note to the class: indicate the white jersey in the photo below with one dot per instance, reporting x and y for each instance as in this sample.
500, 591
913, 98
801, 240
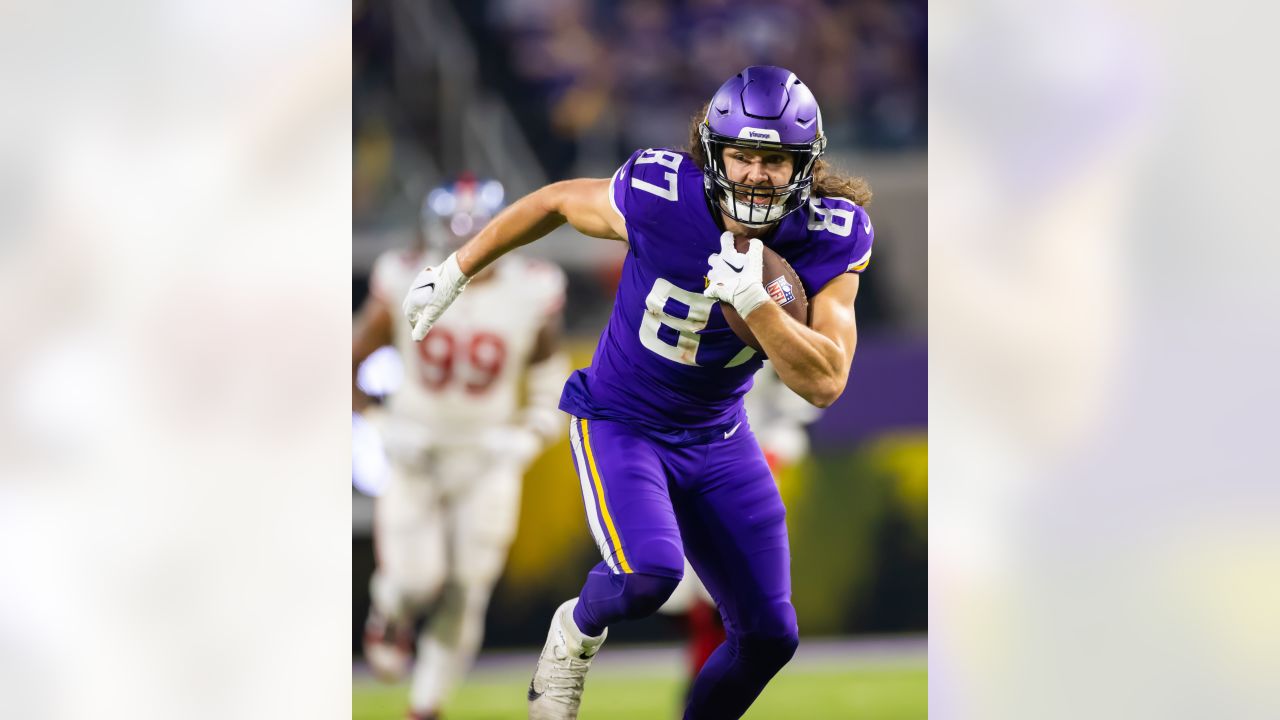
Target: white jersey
464, 377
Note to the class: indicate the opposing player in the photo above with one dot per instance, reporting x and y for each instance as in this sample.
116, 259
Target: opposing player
669, 466
458, 441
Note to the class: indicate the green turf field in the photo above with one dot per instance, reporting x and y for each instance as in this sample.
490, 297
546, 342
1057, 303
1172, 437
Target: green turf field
894, 691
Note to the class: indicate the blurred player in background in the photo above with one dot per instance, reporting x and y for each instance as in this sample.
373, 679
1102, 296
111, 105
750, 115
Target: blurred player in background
458, 440
669, 466
778, 418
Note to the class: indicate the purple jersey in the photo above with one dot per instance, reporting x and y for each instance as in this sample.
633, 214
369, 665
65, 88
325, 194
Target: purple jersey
668, 361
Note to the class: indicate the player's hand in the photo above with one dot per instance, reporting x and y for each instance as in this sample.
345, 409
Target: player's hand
735, 277
432, 291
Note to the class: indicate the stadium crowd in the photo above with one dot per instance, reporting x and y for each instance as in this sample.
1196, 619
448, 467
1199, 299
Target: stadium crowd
638, 68
590, 80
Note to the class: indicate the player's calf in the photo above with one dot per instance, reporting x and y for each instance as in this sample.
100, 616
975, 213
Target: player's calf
736, 672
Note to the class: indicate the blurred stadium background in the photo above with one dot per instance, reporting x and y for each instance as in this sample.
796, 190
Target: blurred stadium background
533, 91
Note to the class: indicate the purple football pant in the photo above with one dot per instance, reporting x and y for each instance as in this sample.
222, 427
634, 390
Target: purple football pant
649, 504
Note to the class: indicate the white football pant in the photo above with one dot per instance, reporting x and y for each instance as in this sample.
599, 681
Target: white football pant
442, 539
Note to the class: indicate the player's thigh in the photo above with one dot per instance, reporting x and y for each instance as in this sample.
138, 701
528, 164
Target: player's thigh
734, 527
626, 499
482, 521
409, 537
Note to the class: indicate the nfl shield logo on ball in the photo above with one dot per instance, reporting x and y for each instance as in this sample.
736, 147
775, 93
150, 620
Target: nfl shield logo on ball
781, 291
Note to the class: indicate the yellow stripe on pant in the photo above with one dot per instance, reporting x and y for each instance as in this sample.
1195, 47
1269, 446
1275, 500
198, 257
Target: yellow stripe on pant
604, 508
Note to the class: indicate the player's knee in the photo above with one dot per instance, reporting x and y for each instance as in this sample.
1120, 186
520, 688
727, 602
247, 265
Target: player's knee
646, 593
482, 573
657, 557
770, 651
420, 590
773, 642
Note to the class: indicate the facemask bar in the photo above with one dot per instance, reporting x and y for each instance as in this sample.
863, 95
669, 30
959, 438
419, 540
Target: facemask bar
737, 200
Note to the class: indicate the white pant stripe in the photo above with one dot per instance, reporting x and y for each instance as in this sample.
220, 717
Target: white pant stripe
588, 495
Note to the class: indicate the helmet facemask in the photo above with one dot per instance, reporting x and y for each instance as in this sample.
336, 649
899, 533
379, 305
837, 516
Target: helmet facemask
758, 205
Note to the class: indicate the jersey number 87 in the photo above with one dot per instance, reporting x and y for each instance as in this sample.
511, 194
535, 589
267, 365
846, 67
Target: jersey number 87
685, 349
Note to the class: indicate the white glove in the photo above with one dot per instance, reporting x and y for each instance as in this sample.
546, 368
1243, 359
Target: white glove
432, 291
735, 277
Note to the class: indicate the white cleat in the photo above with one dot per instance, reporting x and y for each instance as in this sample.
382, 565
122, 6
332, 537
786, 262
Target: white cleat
556, 688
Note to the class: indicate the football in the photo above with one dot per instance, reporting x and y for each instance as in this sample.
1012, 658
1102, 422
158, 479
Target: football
782, 284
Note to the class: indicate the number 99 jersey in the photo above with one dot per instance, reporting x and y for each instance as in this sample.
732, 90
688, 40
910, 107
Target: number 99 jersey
667, 360
465, 374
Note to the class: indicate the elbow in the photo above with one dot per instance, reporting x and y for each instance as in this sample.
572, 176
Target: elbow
829, 385
825, 393
822, 401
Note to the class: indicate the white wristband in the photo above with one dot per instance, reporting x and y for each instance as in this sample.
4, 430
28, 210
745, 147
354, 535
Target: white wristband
451, 273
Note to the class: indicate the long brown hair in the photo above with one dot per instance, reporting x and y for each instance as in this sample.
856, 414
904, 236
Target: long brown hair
827, 181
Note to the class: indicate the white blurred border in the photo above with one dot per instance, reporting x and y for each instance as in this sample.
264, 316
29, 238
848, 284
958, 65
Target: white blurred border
175, 215
1103, 342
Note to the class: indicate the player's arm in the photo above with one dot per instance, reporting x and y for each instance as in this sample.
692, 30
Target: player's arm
812, 361
370, 330
583, 203
544, 378
539, 422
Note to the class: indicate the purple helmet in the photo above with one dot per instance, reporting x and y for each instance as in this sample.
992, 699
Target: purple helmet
762, 107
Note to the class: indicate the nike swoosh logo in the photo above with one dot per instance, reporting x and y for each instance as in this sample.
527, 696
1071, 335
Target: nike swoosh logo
533, 694
866, 225
733, 267
734, 430
430, 285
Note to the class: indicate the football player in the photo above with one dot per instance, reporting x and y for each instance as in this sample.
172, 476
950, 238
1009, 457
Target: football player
458, 441
668, 463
